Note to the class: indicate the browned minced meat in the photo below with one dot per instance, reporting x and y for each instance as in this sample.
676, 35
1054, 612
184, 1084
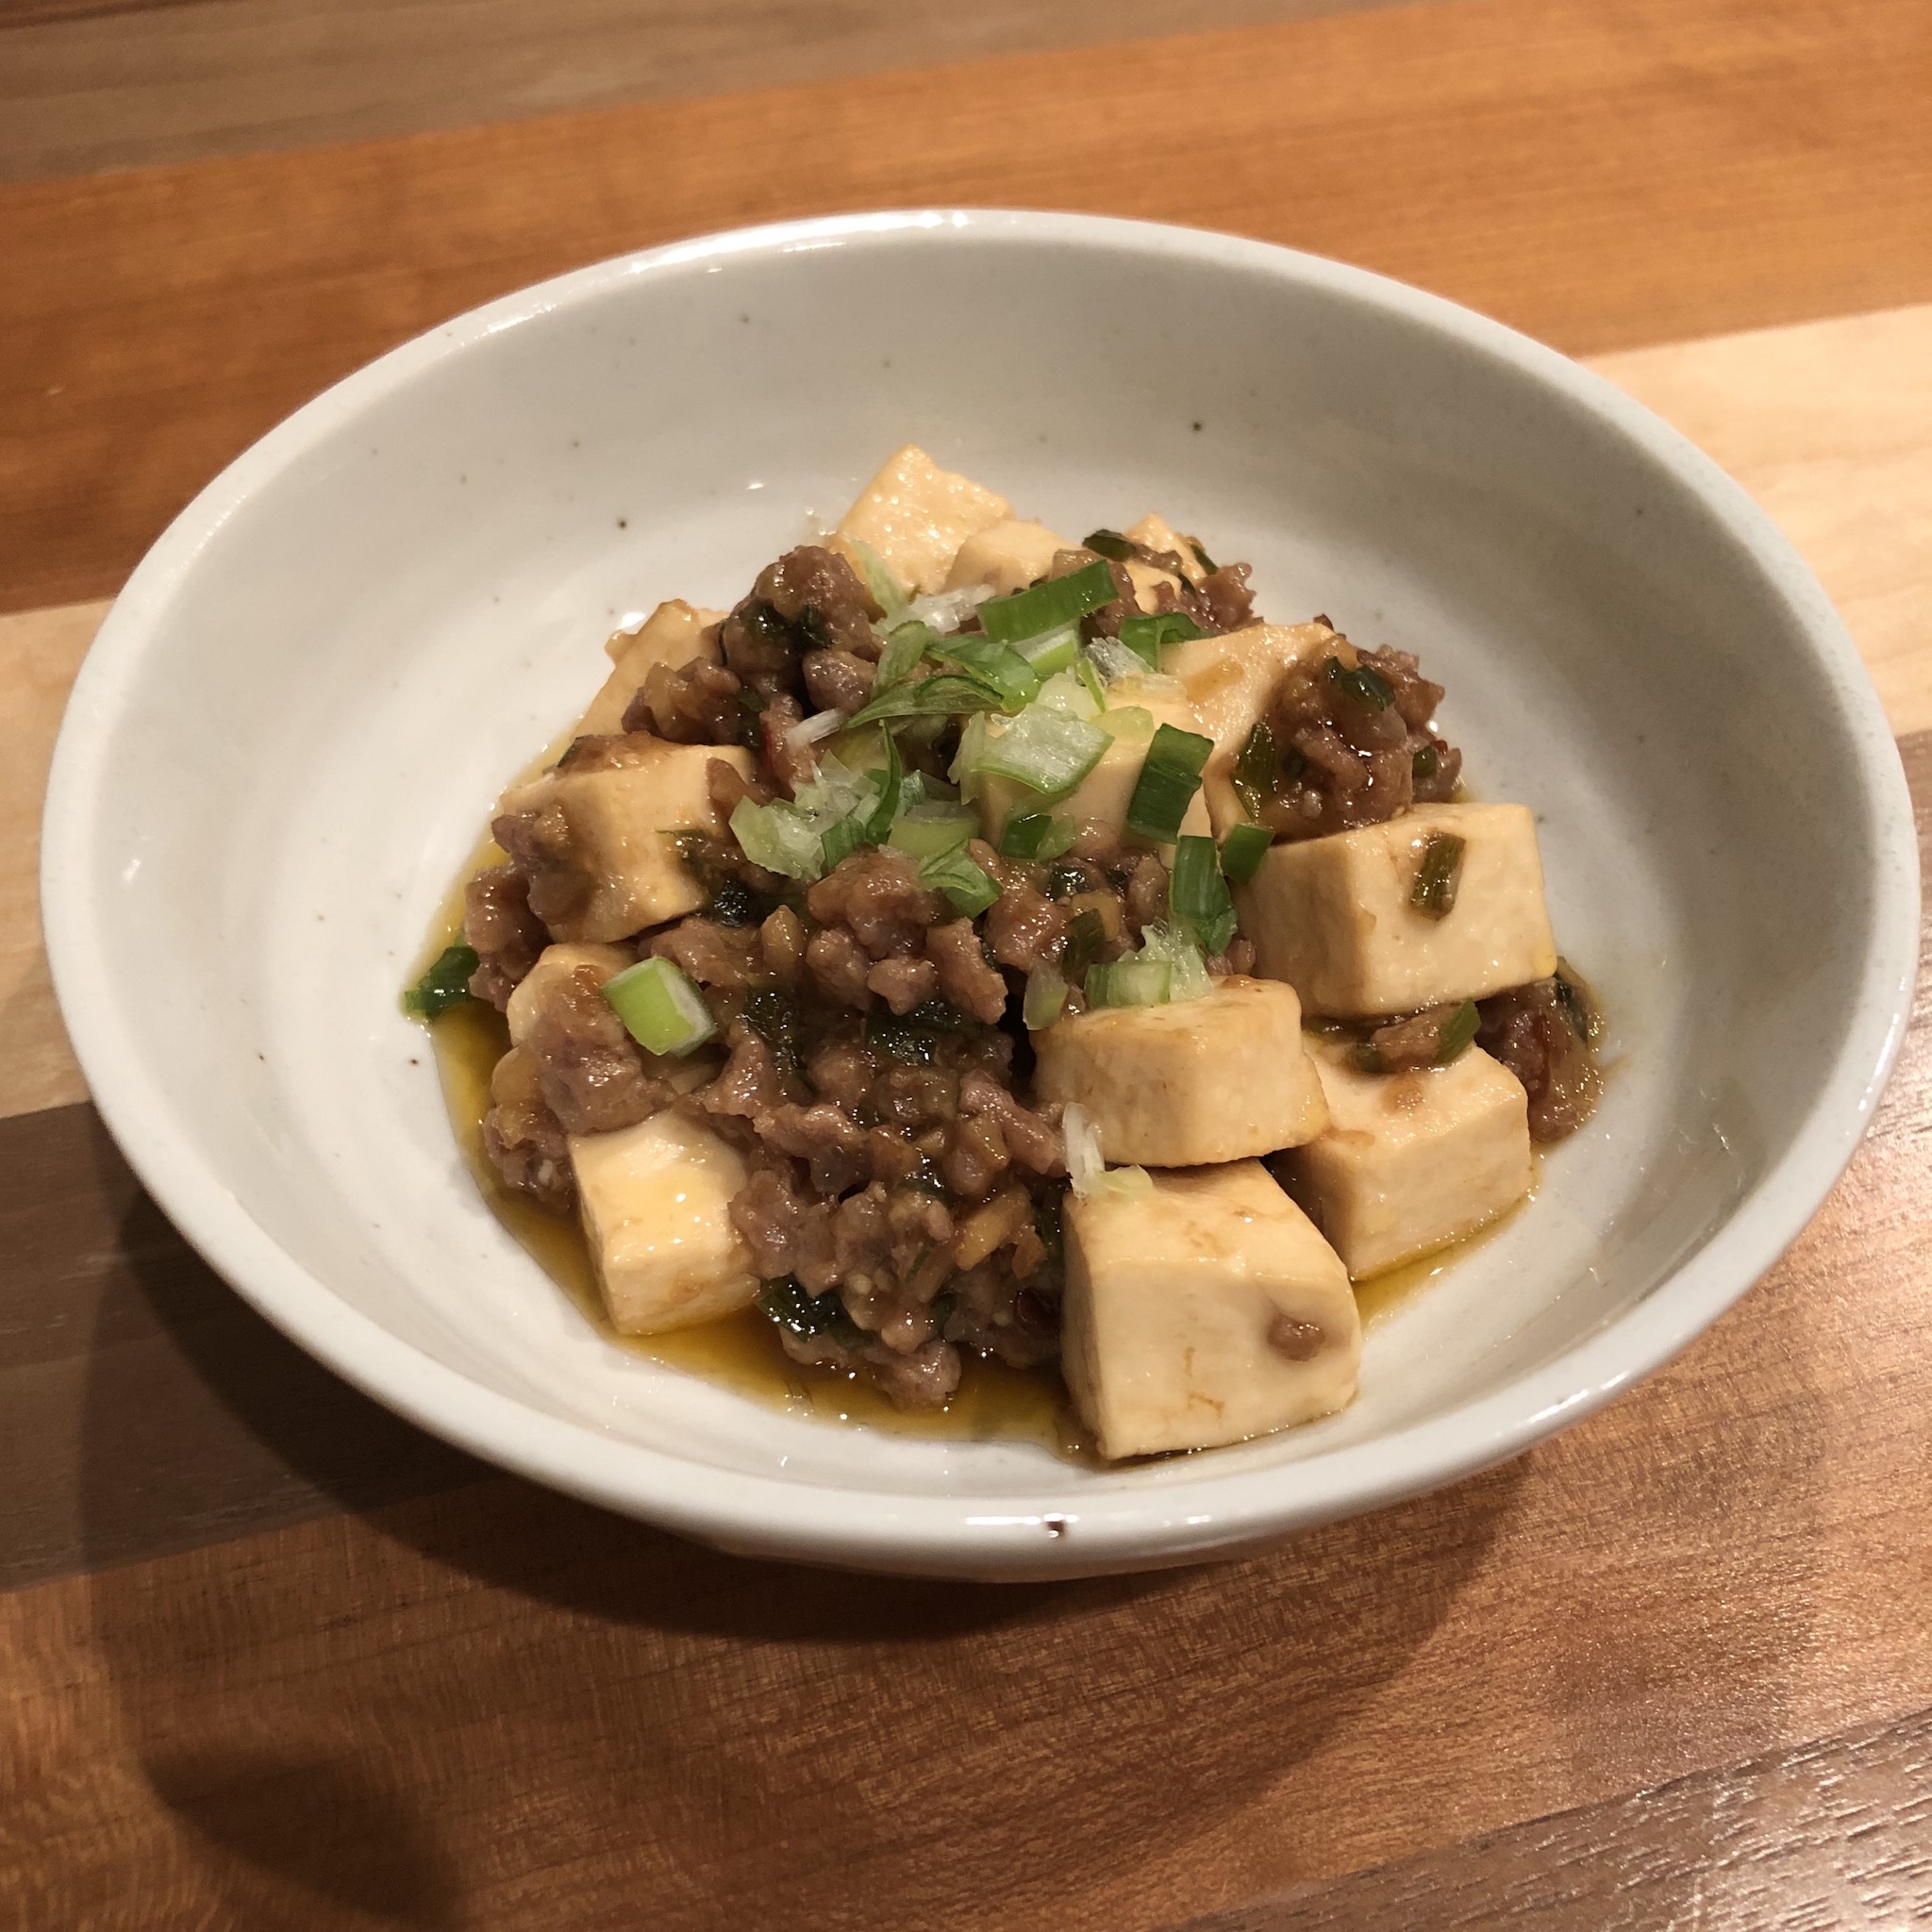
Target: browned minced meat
542, 852
966, 977
589, 1069
1221, 602
811, 599
1345, 754
837, 680
524, 1139
1542, 1033
508, 936
1400, 1045
697, 702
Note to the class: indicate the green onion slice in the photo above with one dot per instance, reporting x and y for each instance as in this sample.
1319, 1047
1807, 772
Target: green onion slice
1366, 687
1148, 637
780, 838
1167, 784
1199, 896
1039, 835
888, 593
1052, 650
660, 1008
447, 984
926, 831
996, 665
892, 784
1426, 762
1046, 997
1459, 1030
1086, 936
1438, 877
1242, 850
1201, 557
960, 879
1254, 769
1046, 605
1129, 982
1109, 544
786, 1303
1044, 750
1186, 970
950, 695
907, 645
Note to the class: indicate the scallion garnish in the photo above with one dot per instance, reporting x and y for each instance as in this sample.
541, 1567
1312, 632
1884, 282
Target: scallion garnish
996, 665
660, 1008
888, 593
1459, 1030
1167, 784
963, 882
1134, 981
1366, 687
1043, 749
1052, 650
878, 821
1092, 682
780, 838
1254, 769
1086, 936
1046, 605
1046, 997
1148, 637
786, 1303
949, 694
1201, 557
926, 831
906, 645
445, 985
1426, 763
1242, 850
1109, 544
1039, 835
1199, 896
1438, 877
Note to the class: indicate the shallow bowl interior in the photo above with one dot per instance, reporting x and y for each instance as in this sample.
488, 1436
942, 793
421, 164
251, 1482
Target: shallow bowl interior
296, 719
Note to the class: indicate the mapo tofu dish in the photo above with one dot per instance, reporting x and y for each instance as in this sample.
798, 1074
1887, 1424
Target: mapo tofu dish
978, 942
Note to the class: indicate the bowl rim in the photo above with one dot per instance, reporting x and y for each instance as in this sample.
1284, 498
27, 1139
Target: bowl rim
982, 1535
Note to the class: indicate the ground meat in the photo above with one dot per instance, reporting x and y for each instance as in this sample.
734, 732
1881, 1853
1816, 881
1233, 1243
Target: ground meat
786, 762
1035, 1140
697, 702
541, 849
1026, 928
839, 967
877, 897
811, 599
752, 1085
837, 680
1418, 1042
842, 1071
1225, 593
824, 1136
786, 1232
781, 944
508, 936
976, 1156
925, 1379
904, 983
1144, 903
965, 978
726, 957
524, 1141
995, 1312
1542, 1033
588, 1067
1236, 963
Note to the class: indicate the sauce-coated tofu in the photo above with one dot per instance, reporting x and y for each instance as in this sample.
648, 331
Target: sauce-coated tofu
1185, 1085
1137, 711
557, 963
1206, 1313
1412, 1161
1332, 916
1158, 535
656, 1202
604, 842
1007, 557
1231, 681
913, 516
673, 635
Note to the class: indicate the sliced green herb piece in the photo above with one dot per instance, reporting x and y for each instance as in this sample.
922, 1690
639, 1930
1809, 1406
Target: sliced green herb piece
660, 1008
1052, 650
1148, 637
1426, 761
780, 838
907, 645
927, 830
1109, 544
1199, 896
1187, 969
787, 1302
1046, 997
1366, 687
1578, 1003
1459, 1030
1201, 557
1167, 784
445, 985
1039, 835
950, 695
773, 1016
1086, 936
888, 593
1433, 895
962, 881
1088, 672
1048, 605
892, 784
1255, 770
914, 1036
1242, 850
1044, 750
1130, 982
996, 665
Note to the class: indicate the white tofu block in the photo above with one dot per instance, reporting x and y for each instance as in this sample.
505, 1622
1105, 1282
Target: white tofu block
1332, 916
913, 516
1137, 711
656, 1202
1412, 1161
555, 963
1147, 581
673, 635
1220, 1079
616, 830
1155, 533
1007, 557
1206, 1313
1231, 681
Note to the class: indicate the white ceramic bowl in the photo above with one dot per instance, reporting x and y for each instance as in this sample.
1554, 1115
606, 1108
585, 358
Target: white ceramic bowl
294, 721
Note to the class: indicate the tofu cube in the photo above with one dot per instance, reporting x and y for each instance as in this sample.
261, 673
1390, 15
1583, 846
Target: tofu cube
1007, 557
1412, 1161
556, 963
1231, 681
1332, 916
656, 1202
1206, 1313
674, 634
913, 516
600, 846
1137, 711
1155, 532
1220, 1079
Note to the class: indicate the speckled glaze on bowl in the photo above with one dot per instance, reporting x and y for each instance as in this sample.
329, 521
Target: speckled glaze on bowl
295, 718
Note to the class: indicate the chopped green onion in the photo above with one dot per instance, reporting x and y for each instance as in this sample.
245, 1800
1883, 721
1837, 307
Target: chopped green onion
1578, 1004
660, 1008
948, 695
1046, 997
1065, 691
1052, 650
888, 593
1242, 850
913, 1037
996, 665
1438, 877
1147, 637
1046, 751
1186, 970
445, 985
1114, 661
1086, 936
1110, 543
960, 879
1039, 835
786, 1303
1366, 687
1201, 557
1167, 784
1254, 774
906, 645
926, 831
879, 822
1199, 895
1127, 721
780, 838
1129, 982
1459, 1030
1048, 605
1089, 674
840, 840
1426, 761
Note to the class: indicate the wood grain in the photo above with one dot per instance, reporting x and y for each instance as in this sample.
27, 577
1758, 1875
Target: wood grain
1835, 1833
493, 1707
85, 85
1600, 175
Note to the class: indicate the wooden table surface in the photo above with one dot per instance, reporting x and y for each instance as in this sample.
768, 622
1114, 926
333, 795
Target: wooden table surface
271, 1658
